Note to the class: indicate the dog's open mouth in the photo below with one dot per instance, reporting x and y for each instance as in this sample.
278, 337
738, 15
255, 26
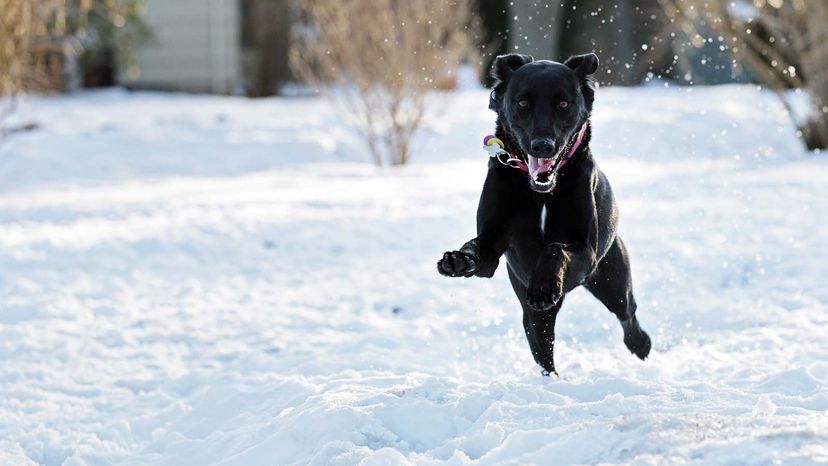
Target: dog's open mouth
544, 171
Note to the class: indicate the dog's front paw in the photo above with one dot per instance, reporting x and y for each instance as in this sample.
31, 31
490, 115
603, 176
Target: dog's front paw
544, 292
458, 263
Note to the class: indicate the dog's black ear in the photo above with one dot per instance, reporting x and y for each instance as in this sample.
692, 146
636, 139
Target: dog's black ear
505, 65
583, 65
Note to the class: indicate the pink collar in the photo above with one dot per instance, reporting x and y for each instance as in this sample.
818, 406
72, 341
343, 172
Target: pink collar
515, 162
575, 146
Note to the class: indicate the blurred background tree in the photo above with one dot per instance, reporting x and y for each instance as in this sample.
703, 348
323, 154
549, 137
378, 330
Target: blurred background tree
60, 45
54, 45
784, 43
268, 34
27, 54
636, 41
109, 31
29, 59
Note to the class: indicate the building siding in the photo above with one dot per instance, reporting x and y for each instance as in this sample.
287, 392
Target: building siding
196, 47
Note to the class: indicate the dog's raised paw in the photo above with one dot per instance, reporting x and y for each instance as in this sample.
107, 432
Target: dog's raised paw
457, 264
543, 297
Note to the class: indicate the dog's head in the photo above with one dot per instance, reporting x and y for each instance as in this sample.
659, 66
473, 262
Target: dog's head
542, 104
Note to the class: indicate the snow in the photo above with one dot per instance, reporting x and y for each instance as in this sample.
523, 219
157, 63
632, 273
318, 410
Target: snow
214, 280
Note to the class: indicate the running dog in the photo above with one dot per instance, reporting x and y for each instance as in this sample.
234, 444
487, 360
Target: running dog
546, 205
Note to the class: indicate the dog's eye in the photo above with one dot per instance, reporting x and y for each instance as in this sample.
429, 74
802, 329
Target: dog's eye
523, 103
563, 104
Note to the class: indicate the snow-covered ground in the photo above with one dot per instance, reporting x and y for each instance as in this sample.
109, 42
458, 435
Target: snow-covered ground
208, 280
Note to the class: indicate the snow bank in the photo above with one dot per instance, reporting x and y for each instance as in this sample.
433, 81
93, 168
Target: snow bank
208, 280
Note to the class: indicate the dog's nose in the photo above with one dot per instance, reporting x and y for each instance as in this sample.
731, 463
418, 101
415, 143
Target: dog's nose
543, 146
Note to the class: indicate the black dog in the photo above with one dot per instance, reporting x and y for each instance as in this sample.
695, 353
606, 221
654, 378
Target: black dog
555, 217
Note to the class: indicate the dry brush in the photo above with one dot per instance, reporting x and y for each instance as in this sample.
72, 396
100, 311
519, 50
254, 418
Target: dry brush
381, 59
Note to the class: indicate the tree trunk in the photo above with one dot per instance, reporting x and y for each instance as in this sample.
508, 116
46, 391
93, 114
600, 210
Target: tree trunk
271, 30
815, 132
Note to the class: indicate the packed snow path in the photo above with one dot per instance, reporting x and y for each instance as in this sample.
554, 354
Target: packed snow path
207, 280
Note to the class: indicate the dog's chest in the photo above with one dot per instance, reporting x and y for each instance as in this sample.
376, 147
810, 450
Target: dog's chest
553, 221
543, 213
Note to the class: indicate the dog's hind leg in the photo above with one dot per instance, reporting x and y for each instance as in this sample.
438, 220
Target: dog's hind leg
539, 327
611, 283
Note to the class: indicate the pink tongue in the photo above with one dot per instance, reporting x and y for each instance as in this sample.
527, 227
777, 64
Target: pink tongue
538, 166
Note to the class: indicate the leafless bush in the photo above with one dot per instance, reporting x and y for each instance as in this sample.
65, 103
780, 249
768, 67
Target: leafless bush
22, 23
381, 58
31, 33
784, 42
15, 38
40, 41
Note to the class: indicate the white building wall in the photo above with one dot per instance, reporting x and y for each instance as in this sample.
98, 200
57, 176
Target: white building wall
196, 47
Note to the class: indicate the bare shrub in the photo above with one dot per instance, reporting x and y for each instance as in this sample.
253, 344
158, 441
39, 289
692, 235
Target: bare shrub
22, 24
784, 43
14, 35
381, 58
40, 41
31, 34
